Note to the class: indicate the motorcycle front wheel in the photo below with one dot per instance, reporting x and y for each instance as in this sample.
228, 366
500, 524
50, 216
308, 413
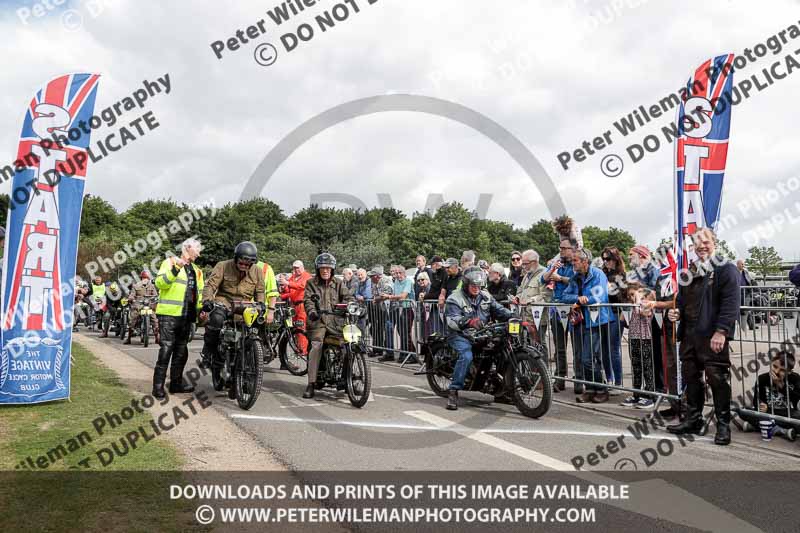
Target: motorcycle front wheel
124, 326
249, 373
359, 379
146, 330
533, 390
292, 357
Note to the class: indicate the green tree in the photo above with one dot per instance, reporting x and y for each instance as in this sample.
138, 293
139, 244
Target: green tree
764, 260
97, 215
725, 250
543, 239
595, 239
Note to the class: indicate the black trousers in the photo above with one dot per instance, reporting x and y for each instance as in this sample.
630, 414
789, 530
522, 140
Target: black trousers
174, 351
658, 360
697, 358
212, 332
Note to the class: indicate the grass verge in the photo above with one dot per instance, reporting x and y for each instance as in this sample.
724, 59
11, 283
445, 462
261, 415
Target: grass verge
124, 495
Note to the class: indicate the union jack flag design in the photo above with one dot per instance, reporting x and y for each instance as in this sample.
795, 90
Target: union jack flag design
668, 279
703, 121
42, 239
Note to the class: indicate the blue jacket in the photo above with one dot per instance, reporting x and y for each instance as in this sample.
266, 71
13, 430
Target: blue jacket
459, 308
566, 271
594, 285
647, 276
364, 289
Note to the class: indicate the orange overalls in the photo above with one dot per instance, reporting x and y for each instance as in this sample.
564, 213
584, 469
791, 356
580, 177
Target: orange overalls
293, 293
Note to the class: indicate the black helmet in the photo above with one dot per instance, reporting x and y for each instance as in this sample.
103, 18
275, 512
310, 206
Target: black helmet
325, 260
247, 251
473, 276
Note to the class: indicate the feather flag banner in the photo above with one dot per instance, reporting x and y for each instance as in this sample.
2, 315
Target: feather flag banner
41, 244
701, 151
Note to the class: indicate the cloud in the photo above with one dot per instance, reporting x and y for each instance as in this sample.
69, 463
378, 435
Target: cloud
553, 73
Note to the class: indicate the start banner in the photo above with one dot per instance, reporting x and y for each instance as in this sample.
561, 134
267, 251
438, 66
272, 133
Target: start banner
703, 122
42, 241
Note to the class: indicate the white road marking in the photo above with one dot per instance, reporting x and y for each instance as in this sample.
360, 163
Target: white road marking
489, 440
449, 427
373, 395
291, 399
332, 422
409, 387
646, 496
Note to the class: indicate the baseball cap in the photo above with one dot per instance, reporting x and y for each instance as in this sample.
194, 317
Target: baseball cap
297, 263
437, 259
377, 270
451, 261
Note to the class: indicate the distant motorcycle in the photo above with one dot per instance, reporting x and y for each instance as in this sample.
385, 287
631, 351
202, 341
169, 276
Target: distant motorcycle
280, 340
148, 322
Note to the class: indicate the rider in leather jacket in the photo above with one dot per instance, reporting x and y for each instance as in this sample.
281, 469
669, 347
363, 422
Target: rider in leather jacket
322, 293
470, 307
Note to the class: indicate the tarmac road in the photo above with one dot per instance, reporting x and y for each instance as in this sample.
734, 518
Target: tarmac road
404, 426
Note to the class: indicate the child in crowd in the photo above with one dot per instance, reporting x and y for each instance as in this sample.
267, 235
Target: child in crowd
640, 341
776, 392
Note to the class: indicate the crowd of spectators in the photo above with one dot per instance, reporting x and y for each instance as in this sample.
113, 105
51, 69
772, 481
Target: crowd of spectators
632, 290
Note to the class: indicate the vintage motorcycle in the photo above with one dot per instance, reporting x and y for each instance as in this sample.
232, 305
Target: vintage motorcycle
147, 321
343, 363
503, 365
241, 351
280, 340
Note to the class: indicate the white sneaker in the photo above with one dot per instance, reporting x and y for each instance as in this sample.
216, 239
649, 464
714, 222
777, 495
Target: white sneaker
615, 392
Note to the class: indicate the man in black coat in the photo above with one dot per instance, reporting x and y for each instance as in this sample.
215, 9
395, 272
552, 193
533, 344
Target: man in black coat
500, 287
708, 308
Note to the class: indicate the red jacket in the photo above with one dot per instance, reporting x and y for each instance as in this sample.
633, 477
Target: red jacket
295, 290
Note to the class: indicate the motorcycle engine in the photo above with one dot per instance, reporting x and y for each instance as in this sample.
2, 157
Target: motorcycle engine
494, 382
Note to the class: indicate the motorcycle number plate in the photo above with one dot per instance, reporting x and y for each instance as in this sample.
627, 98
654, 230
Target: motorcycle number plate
513, 327
289, 322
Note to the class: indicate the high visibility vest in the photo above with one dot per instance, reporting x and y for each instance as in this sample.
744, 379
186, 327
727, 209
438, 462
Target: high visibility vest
270, 283
98, 291
172, 288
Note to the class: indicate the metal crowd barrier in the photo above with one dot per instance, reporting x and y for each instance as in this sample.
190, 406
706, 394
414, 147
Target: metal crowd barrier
761, 333
392, 328
609, 356
769, 295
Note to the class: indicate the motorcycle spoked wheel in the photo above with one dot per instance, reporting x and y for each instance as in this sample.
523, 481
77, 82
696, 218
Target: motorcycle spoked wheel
249, 373
292, 357
358, 381
532, 388
440, 368
123, 328
146, 330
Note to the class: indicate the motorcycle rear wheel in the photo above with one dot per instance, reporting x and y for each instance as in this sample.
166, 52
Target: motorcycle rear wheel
439, 371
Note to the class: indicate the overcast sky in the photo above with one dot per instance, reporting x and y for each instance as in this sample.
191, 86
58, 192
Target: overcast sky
554, 73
